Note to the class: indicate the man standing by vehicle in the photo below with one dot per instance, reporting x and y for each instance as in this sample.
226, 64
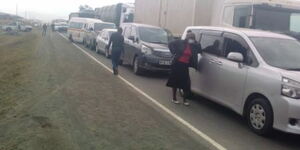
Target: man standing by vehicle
117, 41
44, 30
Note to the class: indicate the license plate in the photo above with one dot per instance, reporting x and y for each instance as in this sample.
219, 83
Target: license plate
162, 62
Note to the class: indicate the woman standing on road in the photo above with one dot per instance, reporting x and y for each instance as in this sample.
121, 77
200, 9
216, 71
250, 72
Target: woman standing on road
185, 55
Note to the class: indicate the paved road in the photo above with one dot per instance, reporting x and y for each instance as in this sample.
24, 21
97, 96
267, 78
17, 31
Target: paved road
219, 123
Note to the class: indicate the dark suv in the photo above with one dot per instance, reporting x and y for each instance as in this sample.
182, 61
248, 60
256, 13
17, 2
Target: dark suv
146, 48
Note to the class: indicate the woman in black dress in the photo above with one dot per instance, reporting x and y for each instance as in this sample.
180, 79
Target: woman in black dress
185, 55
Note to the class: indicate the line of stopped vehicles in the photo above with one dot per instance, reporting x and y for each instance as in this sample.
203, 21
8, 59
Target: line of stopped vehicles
255, 73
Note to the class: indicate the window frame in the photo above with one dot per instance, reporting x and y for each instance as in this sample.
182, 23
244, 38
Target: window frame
216, 34
240, 39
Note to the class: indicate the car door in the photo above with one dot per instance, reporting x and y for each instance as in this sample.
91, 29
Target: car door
127, 45
205, 79
232, 76
133, 44
101, 44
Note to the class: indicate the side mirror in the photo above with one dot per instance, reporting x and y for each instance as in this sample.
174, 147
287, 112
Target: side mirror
234, 56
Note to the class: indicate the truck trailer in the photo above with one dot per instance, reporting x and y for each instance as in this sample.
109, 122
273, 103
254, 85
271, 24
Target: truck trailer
175, 15
117, 14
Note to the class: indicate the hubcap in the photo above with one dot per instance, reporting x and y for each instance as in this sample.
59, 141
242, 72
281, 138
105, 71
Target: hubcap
257, 116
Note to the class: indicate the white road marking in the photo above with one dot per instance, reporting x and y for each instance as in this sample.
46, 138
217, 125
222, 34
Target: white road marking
187, 124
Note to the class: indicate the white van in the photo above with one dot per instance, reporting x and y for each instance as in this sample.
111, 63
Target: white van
255, 73
77, 28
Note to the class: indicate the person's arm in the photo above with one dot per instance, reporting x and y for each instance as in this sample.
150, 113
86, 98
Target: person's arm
199, 49
172, 46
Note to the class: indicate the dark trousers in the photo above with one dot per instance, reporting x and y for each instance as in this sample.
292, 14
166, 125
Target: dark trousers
115, 57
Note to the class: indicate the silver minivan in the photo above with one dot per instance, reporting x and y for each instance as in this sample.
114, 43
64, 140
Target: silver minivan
255, 73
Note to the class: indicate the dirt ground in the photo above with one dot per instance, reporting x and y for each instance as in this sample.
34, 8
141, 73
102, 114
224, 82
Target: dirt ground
52, 97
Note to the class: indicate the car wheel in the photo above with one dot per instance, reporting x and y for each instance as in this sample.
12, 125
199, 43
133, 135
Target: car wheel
70, 38
136, 68
260, 116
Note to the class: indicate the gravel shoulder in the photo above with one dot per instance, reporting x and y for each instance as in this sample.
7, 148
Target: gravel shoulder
60, 99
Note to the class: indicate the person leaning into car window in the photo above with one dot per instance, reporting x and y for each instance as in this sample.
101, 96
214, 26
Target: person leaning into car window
185, 55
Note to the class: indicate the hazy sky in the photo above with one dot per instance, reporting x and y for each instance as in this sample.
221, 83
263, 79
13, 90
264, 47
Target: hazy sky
51, 9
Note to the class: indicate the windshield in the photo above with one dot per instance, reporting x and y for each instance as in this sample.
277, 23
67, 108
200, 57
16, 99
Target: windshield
101, 26
282, 20
281, 53
153, 35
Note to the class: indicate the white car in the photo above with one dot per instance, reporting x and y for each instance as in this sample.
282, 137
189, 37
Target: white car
102, 41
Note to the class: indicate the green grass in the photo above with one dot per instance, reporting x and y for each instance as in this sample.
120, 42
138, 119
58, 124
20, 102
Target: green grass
15, 54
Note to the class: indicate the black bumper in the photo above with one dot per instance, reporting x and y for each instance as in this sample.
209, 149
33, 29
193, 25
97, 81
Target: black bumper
153, 63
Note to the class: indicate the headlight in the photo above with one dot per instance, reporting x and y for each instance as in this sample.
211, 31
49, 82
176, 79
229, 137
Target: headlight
290, 88
146, 50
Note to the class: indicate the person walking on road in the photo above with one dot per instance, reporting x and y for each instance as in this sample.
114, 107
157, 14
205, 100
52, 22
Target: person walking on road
44, 30
117, 42
185, 55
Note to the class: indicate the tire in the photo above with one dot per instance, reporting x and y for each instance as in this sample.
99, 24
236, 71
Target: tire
70, 38
136, 69
260, 116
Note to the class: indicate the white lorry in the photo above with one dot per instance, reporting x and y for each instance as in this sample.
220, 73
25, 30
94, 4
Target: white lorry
175, 15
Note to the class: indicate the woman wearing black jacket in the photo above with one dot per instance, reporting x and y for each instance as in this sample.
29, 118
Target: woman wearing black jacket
185, 55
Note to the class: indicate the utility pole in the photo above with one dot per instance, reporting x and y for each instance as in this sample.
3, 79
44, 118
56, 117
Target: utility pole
16, 9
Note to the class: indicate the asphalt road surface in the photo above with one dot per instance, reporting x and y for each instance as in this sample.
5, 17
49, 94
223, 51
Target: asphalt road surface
219, 123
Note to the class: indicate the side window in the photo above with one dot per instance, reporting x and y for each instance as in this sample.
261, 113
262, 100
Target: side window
197, 32
235, 43
241, 16
127, 32
228, 15
212, 44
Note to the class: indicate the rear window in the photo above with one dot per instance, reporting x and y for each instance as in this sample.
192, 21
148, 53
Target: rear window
101, 26
76, 25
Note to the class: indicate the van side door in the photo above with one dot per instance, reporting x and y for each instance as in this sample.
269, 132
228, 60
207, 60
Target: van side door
205, 79
233, 74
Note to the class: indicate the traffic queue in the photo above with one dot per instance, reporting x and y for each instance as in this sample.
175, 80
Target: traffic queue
245, 70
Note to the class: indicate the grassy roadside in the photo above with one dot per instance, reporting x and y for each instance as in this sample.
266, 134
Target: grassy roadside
16, 51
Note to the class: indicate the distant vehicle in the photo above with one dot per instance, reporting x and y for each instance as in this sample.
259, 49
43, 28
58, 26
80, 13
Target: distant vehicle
83, 14
17, 27
102, 42
117, 14
255, 73
76, 28
60, 26
92, 29
146, 48
10, 27
282, 15
25, 28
